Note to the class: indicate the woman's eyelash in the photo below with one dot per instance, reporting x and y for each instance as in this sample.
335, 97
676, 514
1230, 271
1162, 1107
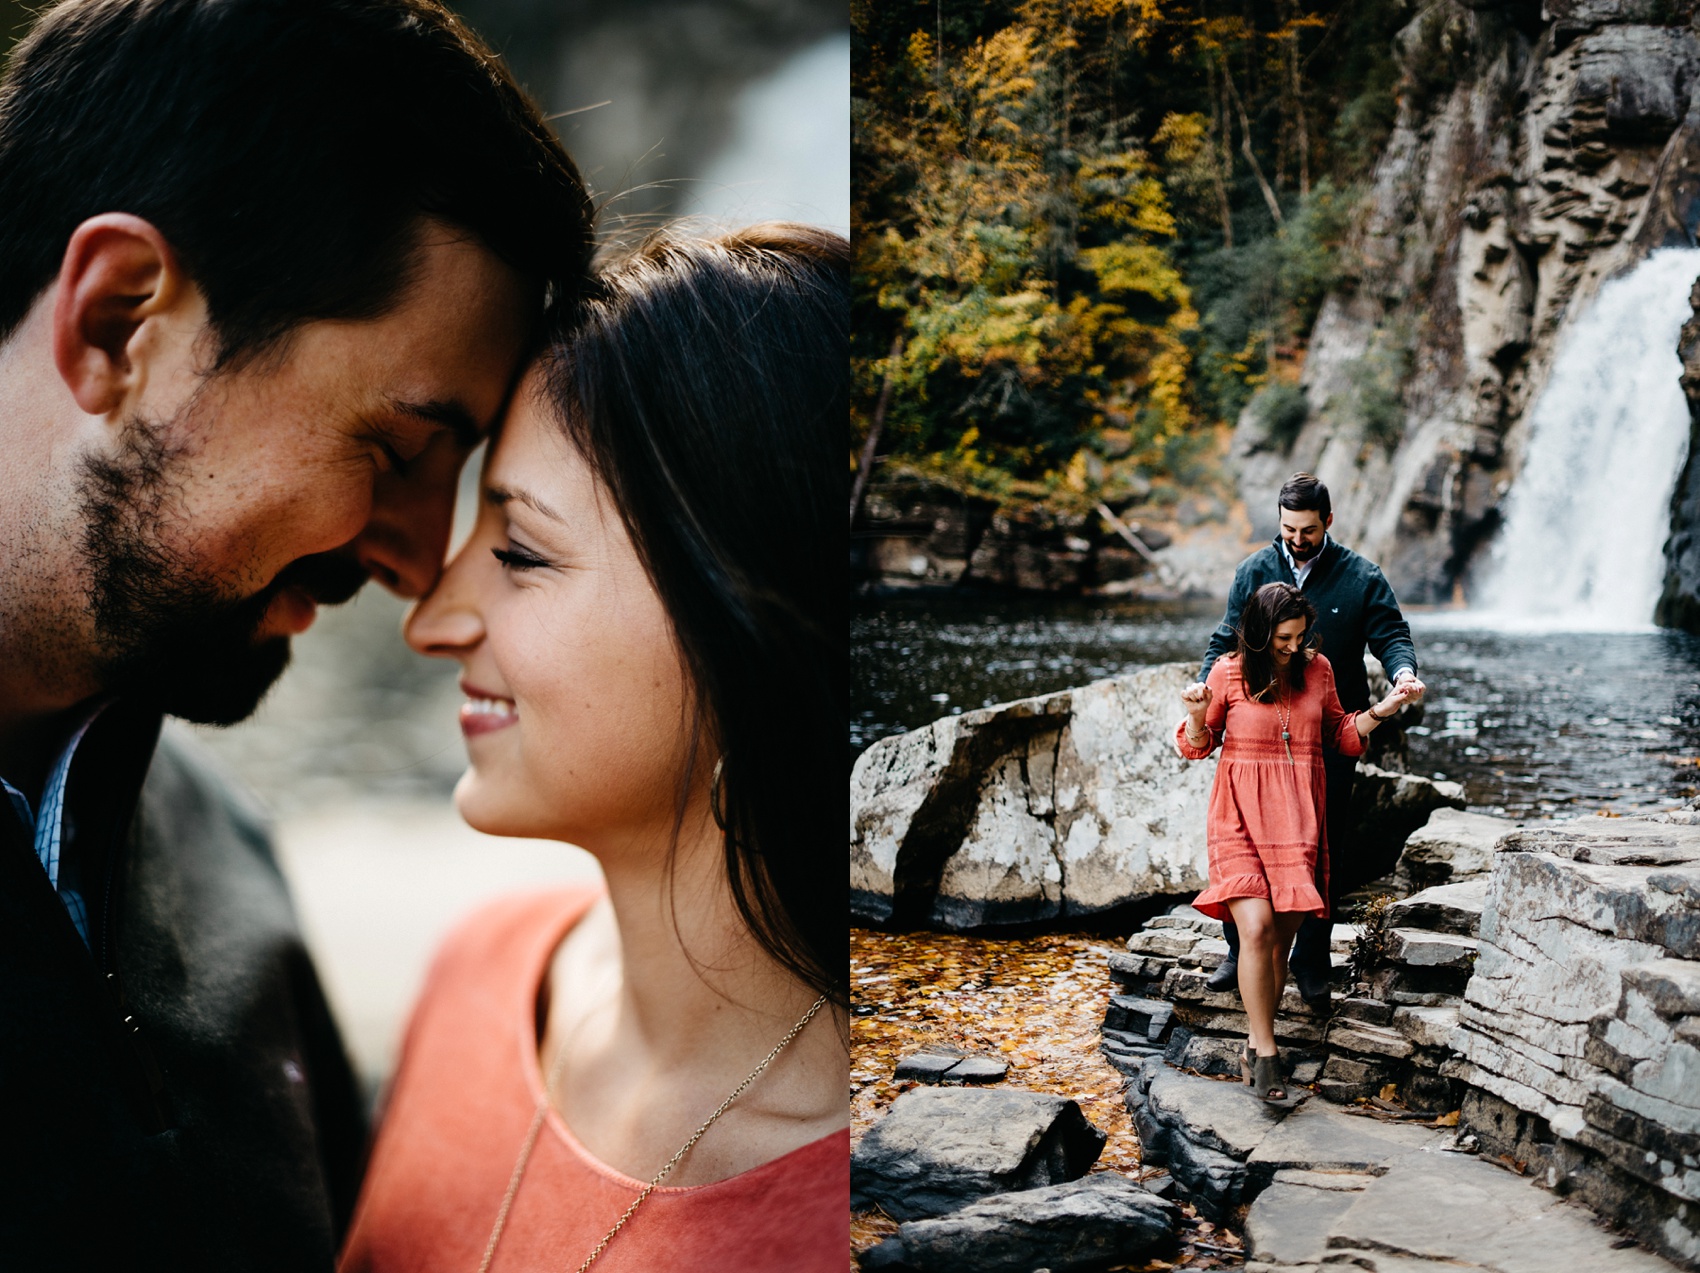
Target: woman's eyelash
517, 558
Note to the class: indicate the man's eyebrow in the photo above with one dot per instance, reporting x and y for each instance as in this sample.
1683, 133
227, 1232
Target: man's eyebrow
448, 415
502, 495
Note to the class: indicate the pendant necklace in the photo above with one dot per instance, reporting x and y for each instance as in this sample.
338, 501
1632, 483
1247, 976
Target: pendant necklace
1285, 717
543, 1109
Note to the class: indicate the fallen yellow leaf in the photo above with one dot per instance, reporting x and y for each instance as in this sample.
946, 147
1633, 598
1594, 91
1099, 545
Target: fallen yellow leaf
1447, 1120
1390, 1092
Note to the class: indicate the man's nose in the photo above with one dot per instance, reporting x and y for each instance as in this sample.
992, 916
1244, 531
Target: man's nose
406, 538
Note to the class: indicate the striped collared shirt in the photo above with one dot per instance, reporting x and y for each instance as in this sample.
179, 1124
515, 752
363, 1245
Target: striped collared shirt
46, 825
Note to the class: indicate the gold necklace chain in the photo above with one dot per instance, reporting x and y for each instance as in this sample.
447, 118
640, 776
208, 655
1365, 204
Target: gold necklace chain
542, 1111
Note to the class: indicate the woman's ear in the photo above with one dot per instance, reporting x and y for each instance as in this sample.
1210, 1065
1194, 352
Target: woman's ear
118, 272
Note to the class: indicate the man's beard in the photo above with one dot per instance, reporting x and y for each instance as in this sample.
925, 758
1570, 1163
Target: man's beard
168, 636
1301, 553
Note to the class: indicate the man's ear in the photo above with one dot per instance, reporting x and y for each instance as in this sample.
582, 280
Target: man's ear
118, 272
1328, 521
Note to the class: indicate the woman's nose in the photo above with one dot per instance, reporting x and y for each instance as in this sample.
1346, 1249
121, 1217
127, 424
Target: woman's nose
446, 622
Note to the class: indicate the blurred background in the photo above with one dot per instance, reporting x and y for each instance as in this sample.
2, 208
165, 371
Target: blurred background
731, 111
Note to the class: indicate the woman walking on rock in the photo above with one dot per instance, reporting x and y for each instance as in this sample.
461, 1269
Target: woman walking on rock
1271, 706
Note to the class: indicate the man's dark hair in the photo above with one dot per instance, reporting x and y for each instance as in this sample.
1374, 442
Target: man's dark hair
286, 149
707, 384
1304, 493
1271, 606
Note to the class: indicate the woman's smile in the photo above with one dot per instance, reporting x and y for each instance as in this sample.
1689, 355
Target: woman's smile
483, 712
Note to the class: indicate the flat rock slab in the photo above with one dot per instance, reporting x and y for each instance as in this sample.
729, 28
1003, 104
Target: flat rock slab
1445, 908
926, 1067
1459, 1209
1289, 1222
1317, 1137
950, 1067
1419, 948
1088, 1223
941, 1148
1611, 841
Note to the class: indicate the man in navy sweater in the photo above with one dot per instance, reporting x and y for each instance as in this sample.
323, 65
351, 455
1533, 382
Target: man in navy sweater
1355, 609
269, 270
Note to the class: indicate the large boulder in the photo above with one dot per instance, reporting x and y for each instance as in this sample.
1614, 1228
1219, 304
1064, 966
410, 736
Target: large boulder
941, 1148
1581, 1014
1100, 1220
1067, 804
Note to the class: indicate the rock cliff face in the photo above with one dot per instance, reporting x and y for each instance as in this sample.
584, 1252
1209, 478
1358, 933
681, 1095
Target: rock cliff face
1564, 151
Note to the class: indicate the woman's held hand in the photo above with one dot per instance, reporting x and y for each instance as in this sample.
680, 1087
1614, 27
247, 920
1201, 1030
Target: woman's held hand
1404, 692
1197, 699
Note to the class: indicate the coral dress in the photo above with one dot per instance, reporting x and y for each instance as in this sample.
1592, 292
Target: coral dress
1267, 833
467, 1090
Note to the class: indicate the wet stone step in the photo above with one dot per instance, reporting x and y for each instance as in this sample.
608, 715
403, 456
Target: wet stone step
1186, 917
1134, 971
1150, 1018
1170, 943
1372, 1011
1361, 1036
1445, 908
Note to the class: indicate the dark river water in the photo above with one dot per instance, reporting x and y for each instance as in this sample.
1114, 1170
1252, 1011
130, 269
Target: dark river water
1532, 723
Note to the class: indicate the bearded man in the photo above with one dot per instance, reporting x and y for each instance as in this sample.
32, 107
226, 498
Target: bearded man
268, 270
1355, 609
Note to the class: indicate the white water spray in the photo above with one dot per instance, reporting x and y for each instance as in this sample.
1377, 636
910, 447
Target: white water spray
1587, 519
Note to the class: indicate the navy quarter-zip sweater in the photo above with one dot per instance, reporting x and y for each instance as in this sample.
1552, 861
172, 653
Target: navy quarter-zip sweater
1355, 609
174, 1096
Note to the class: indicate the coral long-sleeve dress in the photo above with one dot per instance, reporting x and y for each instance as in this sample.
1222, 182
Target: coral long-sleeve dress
1267, 834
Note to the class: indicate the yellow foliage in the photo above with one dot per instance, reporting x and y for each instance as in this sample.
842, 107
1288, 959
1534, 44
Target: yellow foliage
921, 53
1129, 267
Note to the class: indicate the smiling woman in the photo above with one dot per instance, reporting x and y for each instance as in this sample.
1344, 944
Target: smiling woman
657, 1072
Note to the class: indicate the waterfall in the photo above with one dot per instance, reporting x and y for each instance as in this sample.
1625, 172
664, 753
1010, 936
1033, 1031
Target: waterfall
1587, 518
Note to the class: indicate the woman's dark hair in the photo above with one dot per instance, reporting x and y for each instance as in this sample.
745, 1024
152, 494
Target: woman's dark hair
286, 149
706, 380
1271, 606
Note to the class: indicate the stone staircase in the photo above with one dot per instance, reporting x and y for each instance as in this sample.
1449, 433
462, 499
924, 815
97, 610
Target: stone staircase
1393, 1033
1530, 1040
